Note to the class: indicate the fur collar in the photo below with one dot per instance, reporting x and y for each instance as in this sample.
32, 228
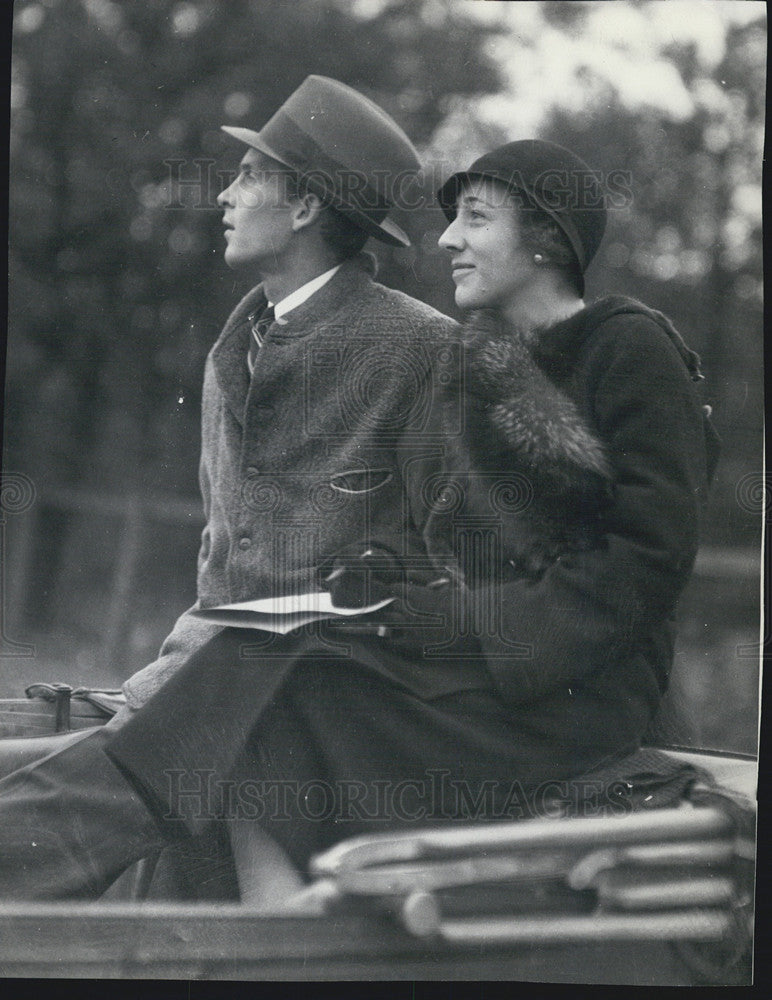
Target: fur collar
526, 412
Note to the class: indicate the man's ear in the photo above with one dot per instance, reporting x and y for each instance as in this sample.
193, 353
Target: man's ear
308, 208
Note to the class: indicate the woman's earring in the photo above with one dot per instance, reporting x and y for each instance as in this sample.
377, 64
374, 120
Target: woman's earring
538, 258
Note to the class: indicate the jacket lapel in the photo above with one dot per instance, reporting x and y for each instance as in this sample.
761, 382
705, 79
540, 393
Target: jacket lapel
229, 354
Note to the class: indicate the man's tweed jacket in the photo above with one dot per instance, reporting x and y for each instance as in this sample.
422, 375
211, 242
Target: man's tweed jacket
303, 461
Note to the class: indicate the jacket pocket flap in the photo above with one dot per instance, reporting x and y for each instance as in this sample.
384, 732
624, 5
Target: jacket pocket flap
361, 480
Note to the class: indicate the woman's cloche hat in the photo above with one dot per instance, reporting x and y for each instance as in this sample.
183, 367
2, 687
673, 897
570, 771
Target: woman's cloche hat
548, 177
346, 150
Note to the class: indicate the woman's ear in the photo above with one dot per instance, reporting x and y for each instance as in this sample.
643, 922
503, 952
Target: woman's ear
307, 209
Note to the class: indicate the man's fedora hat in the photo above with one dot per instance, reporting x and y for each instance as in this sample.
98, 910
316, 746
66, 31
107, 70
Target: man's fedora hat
345, 149
548, 177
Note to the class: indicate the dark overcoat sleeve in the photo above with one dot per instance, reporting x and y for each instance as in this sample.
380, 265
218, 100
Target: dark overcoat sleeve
597, 608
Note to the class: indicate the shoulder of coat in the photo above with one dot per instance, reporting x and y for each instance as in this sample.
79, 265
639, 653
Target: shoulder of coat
635, 346
421, 312
636, 332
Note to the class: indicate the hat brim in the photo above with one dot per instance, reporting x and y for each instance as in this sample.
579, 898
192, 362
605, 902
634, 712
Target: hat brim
385, 231
448, 194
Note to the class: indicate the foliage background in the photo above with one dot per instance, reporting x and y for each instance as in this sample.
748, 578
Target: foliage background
118, 288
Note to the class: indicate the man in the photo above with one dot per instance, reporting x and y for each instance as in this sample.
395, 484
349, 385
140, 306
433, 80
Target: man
315, 385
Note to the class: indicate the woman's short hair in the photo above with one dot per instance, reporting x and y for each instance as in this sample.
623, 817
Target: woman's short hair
541, 234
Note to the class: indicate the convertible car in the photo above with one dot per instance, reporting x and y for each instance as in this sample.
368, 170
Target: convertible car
660, 893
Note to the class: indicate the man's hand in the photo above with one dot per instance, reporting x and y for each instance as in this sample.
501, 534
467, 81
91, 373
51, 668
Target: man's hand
362, 575
426, 602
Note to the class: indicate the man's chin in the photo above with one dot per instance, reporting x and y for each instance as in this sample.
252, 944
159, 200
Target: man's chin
237, 261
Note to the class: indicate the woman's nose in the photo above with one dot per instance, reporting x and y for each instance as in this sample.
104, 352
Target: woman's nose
451, 239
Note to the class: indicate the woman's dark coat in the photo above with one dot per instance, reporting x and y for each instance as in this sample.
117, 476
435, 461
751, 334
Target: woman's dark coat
605, 433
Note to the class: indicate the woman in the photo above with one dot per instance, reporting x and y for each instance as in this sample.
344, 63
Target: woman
567, 512
586, 420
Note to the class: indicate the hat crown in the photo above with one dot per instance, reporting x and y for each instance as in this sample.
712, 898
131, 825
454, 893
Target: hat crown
348, 150
349, 126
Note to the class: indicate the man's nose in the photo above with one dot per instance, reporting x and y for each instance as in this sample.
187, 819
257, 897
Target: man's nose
224, 198
451, 239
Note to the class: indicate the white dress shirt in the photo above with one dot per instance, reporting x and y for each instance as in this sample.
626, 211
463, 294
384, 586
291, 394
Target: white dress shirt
302, 294
295, 299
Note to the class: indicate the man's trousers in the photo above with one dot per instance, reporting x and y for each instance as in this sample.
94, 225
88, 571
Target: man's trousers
70, 824
314, 750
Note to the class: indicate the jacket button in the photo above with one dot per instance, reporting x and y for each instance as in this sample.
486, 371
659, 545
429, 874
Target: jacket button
245, 542
253, 471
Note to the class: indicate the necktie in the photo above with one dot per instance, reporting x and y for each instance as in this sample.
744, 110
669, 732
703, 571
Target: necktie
259, 327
